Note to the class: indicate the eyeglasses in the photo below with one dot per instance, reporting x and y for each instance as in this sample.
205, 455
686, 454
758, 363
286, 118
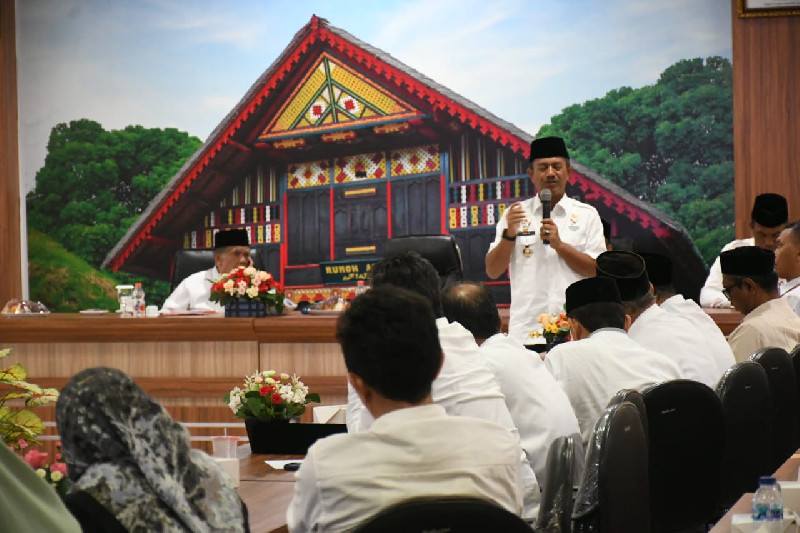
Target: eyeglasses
727, 290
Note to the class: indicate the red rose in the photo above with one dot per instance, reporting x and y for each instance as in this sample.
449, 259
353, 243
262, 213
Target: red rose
263, 391
277, 398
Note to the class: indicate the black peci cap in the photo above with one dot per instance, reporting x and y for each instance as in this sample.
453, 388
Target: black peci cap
628, 270
548, 147
231, 237
591, 291
747, 261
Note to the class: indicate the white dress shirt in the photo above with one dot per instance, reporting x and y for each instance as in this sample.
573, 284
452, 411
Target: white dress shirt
791, 293
538, 282
678, 339
715, 341
538, 405
711, 293
407, 453
592, 370
192, 293
465, 386
772, 324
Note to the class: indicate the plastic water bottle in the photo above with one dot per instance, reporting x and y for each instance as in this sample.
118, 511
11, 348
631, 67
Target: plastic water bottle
138, 301
360, 287
768, 506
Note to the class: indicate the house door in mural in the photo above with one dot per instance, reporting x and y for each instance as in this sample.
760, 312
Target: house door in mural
360, 220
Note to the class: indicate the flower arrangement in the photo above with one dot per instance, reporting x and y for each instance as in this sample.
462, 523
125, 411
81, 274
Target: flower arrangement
247, 283
54, 473
270, 396
20, 428
555, 328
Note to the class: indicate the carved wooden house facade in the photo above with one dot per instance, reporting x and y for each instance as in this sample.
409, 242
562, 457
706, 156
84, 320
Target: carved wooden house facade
338, 147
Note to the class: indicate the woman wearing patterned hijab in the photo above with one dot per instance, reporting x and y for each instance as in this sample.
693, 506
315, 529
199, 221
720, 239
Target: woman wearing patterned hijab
125, 453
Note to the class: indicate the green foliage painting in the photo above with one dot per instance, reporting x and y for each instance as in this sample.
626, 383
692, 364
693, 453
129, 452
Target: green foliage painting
670, 144
95, 184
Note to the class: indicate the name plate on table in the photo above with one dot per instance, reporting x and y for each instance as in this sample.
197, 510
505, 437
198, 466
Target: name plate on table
347, 271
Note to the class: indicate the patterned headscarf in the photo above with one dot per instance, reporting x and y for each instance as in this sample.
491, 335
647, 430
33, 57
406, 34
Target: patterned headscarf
123, 449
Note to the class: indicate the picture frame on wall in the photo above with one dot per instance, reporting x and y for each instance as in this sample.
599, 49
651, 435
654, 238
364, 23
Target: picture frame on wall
768, 8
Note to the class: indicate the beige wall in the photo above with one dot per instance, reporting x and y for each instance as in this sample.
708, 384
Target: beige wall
766, 111
10, 249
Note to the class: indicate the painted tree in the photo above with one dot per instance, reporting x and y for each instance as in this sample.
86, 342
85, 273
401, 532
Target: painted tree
670, 144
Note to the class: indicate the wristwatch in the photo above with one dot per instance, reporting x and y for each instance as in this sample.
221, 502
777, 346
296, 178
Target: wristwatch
507, 237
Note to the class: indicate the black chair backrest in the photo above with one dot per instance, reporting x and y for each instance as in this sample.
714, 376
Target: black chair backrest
686, 426
795, 355
783, 391
614, 493
635, 397
450, 514
744, 393
555, 510
440, 250
187, 262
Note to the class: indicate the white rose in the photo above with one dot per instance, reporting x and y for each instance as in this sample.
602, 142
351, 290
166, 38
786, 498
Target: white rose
249, 272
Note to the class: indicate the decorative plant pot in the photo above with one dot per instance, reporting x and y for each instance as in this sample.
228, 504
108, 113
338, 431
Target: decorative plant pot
283, 437
242, 308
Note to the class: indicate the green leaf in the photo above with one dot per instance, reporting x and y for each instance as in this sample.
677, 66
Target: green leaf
13, 374
5, 352
312, 397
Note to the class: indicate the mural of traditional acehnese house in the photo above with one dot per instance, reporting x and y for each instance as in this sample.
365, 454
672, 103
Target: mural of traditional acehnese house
338, 147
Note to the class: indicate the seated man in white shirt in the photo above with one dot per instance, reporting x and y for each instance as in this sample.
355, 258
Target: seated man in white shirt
752, 285
651, 326
231, 250
389, 339
769, 216
538, 405
602, 359
787, 264
659, 270
465, 386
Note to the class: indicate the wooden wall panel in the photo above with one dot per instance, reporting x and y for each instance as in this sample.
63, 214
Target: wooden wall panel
10, 245
766, 111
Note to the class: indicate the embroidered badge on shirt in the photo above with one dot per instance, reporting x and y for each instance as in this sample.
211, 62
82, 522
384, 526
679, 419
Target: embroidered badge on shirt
573, 221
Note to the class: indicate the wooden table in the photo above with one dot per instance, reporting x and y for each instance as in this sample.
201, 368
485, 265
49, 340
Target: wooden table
266, 492
787, 472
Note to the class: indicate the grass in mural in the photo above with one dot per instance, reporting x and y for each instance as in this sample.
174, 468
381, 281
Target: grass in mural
64, 282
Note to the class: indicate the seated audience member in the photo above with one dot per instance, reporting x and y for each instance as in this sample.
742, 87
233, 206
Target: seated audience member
231, 250
389, 339
602, 358
27, 502
751, 283
538, 406
769, 215
465, 385
131, 466
787, 264
651, 326
659, 270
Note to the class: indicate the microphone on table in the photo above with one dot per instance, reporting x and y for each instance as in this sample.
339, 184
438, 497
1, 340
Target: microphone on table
546, 196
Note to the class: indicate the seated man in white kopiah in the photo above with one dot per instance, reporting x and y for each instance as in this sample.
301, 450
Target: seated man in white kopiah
787, 264
465, 386
767, 220
538, 405
602, 358
231, 250
651, 326
752, 285
659, 270
391, 349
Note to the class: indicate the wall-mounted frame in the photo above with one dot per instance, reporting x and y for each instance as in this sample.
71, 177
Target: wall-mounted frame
768, 8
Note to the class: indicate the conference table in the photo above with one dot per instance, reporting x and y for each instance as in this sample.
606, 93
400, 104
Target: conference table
788, 471
266, 491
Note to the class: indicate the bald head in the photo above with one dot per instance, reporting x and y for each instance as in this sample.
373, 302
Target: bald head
472, 306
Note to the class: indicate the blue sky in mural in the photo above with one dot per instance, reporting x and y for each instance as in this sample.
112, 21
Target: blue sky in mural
185, 63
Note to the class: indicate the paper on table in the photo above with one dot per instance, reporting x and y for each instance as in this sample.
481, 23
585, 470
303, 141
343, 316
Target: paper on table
329, 414
278, 464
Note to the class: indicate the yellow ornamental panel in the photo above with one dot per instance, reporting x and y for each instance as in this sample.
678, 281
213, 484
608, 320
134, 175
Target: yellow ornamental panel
417, 160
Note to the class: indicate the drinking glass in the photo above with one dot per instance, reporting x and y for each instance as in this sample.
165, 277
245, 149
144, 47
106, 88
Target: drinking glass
125, 297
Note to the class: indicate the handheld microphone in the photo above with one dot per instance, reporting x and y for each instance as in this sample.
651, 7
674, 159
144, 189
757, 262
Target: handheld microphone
546, 196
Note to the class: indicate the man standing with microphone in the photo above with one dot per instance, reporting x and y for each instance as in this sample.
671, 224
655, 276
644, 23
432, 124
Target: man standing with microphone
546, 242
